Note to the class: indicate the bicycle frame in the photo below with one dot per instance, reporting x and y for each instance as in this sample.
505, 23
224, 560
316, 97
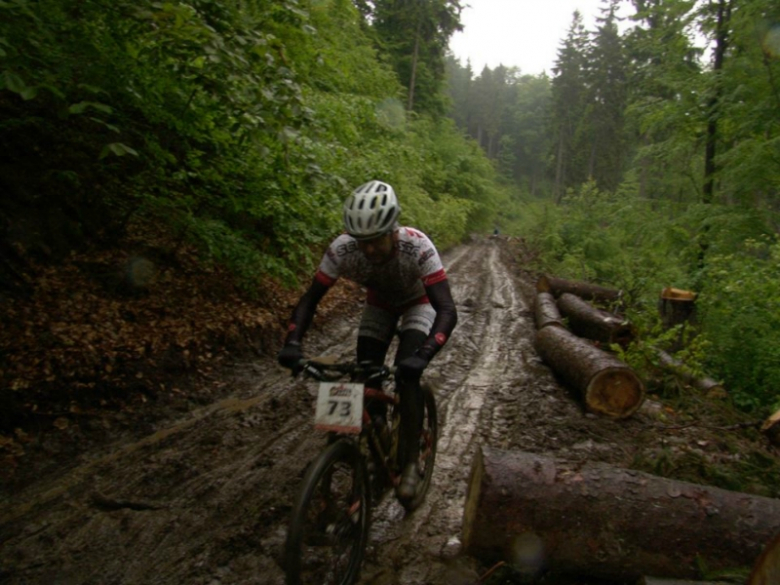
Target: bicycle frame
330, 517
327, 371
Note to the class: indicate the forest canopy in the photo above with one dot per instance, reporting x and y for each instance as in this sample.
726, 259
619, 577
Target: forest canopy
242, 124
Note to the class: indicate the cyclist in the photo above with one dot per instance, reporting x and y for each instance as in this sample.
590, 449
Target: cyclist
404, 280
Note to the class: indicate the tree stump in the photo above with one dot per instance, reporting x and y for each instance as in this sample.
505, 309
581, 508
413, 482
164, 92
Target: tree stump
677, 306
594, 519
590, 322
605, 384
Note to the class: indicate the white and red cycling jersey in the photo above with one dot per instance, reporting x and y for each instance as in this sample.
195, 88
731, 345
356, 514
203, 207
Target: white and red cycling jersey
396, 284
411, 285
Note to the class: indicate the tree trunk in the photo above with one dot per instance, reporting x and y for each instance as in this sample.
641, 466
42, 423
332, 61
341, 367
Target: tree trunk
605, 384
413, 75
766, 571
587, 321
713, 105
607, 522
559, 189
546, 311
584, 290
682, 371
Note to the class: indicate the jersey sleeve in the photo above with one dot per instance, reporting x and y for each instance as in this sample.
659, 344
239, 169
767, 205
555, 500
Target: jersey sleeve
429, 261
329, 269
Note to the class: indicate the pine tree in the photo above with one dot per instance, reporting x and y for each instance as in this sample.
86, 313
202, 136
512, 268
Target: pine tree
607, 94
415, 34
568, 104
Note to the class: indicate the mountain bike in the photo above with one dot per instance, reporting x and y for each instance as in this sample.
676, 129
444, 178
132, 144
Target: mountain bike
329, 524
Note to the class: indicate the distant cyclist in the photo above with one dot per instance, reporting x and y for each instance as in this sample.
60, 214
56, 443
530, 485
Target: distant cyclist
405, 280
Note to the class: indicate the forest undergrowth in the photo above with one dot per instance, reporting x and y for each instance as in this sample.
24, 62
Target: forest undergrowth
120, 332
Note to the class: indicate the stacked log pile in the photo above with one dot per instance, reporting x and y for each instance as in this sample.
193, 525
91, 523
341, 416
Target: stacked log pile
538, 513
569, 333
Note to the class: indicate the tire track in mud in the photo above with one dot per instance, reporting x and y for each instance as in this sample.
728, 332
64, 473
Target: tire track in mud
214, 488
205, 499
478, 365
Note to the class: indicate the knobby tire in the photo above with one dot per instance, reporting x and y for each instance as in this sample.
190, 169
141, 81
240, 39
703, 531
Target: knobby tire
328, 528
428, 441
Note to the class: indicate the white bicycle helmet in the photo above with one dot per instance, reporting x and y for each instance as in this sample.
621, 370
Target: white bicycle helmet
371, 210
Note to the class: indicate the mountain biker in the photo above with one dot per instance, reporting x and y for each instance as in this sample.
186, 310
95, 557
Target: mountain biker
405, 280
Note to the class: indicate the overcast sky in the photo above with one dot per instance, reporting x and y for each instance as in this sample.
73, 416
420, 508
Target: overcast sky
517, 33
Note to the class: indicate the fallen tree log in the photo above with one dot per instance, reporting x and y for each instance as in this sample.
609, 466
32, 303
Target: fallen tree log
766, 571
679, 369
608, 522
605, 384
584, 290
546, 311
590, 322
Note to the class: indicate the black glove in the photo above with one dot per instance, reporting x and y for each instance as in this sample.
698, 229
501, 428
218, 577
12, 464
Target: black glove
411, 368
290, 356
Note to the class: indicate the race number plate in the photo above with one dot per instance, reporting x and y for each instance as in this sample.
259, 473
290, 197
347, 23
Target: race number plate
339, 407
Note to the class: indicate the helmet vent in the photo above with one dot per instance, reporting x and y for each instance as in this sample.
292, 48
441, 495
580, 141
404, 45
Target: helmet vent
371, 210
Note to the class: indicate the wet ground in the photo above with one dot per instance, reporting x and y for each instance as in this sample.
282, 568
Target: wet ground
203, 496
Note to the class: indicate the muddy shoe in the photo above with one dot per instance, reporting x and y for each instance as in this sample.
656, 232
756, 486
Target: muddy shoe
409, 480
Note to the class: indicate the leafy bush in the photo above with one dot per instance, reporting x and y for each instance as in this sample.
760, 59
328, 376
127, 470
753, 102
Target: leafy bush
740, 306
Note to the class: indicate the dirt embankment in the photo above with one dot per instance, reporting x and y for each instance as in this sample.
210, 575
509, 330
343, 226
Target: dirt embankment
203, 495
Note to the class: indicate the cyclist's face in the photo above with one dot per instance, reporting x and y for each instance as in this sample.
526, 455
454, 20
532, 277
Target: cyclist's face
377, 250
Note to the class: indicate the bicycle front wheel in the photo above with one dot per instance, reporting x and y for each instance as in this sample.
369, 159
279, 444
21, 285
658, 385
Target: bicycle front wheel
328, 528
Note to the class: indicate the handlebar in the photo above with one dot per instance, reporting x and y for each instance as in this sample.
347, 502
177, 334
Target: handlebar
326, 371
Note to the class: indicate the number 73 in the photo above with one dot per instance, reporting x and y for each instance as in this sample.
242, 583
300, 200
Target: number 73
345, 410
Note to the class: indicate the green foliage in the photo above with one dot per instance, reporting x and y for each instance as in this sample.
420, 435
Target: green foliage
229, 247
643, 246
506, 113
615, 239
741, 315
242, 124
414, 35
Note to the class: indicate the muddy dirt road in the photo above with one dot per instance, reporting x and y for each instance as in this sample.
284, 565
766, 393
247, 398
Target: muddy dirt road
204, 498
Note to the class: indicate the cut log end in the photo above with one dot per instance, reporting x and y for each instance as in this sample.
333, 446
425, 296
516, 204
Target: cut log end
543, 285
771, 429
615, 392
766, 570
602, 381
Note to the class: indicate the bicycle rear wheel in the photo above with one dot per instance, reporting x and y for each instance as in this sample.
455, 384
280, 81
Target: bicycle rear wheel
428, 439
328, 527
